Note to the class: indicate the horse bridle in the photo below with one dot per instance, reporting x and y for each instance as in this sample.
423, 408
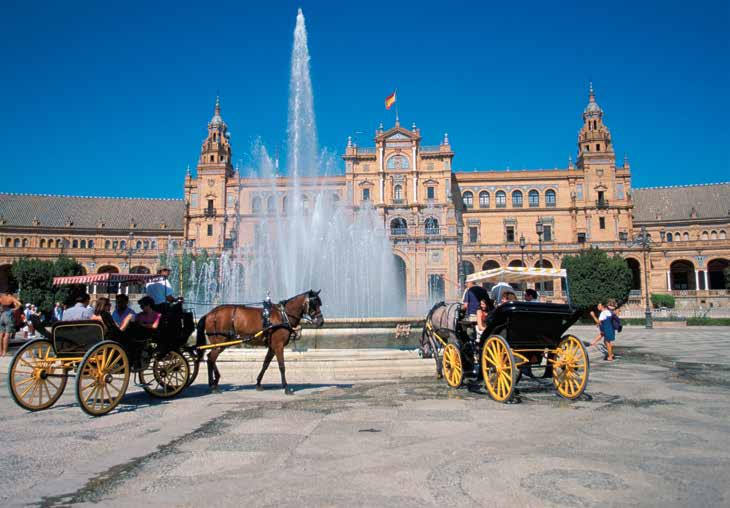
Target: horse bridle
306, 317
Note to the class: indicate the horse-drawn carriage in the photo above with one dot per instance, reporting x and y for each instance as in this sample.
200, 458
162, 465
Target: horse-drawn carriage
103, 357
520, 338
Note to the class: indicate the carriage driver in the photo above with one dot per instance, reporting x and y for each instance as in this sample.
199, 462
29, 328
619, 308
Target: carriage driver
160, 290
472, 296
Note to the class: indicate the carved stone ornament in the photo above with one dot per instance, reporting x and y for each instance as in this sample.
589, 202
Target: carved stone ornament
211, 182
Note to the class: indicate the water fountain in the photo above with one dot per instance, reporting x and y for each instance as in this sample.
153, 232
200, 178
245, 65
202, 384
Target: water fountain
314, 241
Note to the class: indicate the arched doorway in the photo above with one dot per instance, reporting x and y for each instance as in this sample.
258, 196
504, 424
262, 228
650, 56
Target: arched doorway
400, 279
516, 263
716, 278
635, 268
108, 269
7, 281
140, 269
682, 275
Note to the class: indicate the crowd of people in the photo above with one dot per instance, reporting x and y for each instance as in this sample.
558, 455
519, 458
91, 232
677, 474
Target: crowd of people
16, 317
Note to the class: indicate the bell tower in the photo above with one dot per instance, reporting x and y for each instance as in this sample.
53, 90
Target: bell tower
206, 192
594, 138
215, 154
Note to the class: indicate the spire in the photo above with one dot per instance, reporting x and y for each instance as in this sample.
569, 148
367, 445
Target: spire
187, 172
626, 161
218, 103
570, 161
592, 108
217, 120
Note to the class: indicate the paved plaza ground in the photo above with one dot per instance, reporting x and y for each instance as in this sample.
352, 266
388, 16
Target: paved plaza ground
652, 430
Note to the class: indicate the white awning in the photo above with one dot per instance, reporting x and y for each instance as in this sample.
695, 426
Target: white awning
517, 274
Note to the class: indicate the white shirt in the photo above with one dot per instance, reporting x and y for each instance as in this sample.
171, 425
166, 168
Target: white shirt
605, 314
158, 290
78, 312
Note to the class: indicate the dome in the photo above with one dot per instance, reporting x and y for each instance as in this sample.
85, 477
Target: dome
217, 120
592, 108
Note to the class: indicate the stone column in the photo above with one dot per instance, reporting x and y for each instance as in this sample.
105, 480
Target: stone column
707, 282
382, 180
669, 280
697, 280
415, 175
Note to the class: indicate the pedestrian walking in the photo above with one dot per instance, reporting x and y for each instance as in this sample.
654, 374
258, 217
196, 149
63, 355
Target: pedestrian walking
7, 327
57, 312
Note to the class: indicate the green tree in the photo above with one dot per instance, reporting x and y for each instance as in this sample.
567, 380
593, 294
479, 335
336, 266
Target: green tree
595, 277
35, 281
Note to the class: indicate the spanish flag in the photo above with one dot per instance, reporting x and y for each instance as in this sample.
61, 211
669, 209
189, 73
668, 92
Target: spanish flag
389, 100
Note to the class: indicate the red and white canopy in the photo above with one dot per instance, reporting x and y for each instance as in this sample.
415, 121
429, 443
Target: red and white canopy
107, 278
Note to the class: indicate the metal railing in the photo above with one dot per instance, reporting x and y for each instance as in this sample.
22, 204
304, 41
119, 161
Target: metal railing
209, 212
432, 148
398, 231
601, 203
365, 149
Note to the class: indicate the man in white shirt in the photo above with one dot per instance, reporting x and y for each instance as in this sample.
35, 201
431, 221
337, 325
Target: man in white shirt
81, 310
160, 290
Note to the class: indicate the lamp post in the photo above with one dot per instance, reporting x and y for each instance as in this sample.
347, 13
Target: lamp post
522, 248
539, 229
644, 242
130, 250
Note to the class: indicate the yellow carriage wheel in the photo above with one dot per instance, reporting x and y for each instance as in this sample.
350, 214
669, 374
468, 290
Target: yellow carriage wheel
103, 378
453, 369
570, 368
498, 369
193, 364
35, 378
166, 376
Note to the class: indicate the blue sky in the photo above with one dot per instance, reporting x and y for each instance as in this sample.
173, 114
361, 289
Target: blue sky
113, 99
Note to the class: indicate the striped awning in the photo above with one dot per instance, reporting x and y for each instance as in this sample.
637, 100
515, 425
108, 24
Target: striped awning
106, 278
516, 274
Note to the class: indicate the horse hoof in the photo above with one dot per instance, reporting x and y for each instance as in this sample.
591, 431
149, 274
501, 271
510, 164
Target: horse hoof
215, 389
259, 388
288, 391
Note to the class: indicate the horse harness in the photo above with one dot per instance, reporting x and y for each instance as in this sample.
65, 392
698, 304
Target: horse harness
268, 327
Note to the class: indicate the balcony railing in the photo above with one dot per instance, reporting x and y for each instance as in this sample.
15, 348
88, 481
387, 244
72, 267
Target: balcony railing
365, 149
399, 201
601, 203
436, 148
433, 230
398, 231
209, 212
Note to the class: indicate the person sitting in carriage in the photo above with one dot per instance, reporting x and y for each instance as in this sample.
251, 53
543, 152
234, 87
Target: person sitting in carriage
148, 318
503, 293
473, 295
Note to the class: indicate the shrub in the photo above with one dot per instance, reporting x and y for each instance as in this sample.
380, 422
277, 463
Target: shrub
595, 277
705, 321
662, 300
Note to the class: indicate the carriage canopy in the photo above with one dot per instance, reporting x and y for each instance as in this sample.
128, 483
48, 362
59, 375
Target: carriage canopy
516, 274
106, 279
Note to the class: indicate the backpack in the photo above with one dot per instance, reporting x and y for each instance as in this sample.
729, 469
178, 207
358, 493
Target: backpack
616, 322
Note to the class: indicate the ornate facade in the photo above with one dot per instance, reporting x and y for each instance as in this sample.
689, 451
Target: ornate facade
442, 223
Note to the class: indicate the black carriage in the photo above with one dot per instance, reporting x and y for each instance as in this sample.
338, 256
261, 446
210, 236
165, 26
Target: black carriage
103, 357
520, 338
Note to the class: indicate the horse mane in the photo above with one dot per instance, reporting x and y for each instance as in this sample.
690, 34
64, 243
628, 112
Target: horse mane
308, 293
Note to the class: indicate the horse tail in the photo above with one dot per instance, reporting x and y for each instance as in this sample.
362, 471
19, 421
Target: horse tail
200, 332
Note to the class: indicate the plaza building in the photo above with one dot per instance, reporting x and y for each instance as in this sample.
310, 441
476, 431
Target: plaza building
442, 223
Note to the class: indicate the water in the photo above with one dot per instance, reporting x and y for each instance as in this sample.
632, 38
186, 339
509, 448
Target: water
311, 242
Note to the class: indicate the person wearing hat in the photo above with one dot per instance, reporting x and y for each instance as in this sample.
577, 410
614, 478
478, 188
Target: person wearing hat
160, 291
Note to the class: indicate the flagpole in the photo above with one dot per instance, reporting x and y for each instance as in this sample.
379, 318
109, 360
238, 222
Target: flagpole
397, 122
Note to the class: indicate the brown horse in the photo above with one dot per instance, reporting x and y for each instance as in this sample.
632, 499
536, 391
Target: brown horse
227, 323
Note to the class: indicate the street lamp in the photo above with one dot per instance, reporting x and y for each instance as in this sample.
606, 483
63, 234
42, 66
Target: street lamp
522, 248
539, 229
130, 250
643, 241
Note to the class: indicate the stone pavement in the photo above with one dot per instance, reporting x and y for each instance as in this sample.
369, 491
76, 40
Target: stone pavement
652, 430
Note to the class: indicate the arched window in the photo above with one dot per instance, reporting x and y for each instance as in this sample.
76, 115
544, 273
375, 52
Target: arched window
723, 235
467, 267
534, 198
8, 241
705, 236
256, 204
713, 235
484, 199
43, 243
153, 244
284, 204
398, 193
366, 194
517, 199
16, 242
25, 242
83, 244
75, 244
270, 204
91, 244
685, 237
398, 226
107, 244
550, 198
123, 244
468, 199
398, 162
501, 199
669, 237
138, 245
432, 226
146, 244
